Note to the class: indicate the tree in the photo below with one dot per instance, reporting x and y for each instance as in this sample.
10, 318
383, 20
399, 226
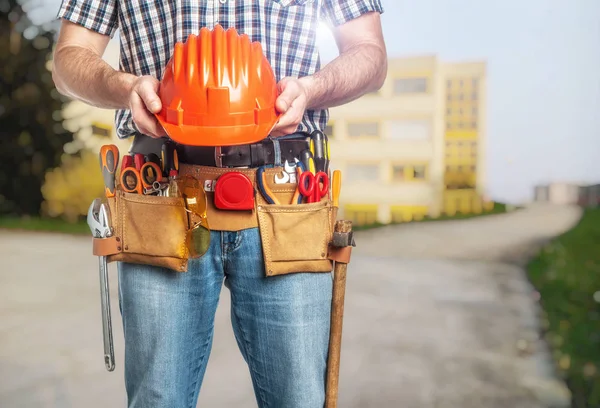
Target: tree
31, 132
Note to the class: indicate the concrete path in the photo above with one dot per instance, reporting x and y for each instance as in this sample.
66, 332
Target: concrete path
438, 315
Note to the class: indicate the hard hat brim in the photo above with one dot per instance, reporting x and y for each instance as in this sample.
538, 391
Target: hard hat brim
217, 135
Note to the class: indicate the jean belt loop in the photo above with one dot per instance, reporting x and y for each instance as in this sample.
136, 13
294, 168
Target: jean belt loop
218, 156
277, 151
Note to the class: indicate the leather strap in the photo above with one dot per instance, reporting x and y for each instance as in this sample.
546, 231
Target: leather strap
252, 155
341, 255
106, 246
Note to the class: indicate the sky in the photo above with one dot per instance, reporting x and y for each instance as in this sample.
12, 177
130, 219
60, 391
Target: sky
543, 61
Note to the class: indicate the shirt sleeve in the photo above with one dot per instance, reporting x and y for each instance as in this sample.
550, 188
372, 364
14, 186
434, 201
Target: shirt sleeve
338, 12
100, 16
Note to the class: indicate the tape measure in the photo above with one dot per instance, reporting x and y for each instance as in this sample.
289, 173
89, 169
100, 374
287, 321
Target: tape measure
234, 191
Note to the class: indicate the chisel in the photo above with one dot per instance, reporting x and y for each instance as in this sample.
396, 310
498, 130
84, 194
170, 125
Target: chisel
336, 187
170, 160
318, 149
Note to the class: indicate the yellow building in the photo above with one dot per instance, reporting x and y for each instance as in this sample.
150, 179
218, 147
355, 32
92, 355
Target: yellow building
415, 148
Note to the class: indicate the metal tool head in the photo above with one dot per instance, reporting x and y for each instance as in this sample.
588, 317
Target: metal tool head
98, 219
104, 218
282, 178
289, 168
288, 175
93, 218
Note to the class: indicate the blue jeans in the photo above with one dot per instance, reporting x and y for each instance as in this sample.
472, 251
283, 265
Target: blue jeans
281, 325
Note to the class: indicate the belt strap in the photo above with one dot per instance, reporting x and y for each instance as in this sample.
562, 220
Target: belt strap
270, 151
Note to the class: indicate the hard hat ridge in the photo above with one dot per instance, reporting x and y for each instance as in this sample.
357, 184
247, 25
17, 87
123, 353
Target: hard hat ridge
218, 89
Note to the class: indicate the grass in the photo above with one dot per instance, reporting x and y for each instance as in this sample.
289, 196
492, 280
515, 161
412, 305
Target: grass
44, 224
567, 275
499, 208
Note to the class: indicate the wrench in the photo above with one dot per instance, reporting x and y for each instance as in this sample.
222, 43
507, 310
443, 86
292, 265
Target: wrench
99, 223
288, 175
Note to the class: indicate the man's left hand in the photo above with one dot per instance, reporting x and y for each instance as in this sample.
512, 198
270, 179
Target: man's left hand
292, 103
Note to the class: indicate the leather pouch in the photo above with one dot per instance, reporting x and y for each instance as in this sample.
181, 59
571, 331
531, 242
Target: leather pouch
148, 230
295, 237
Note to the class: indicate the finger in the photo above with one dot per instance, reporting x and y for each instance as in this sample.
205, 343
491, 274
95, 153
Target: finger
147, 89
144, 120
290, 90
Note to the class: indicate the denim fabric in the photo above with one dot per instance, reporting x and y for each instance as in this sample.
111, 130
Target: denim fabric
281, 325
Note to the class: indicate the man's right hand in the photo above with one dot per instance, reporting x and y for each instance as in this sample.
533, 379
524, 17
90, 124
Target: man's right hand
144, 102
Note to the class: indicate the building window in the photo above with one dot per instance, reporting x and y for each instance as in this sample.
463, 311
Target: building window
410, 129
410, 85
368, 129
398, 173
409, 172
474, 96
419, 172
362, 172
475, 82
329, 130
100, 130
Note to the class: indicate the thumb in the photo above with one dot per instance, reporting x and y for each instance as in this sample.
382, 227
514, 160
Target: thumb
148, 92
286, 96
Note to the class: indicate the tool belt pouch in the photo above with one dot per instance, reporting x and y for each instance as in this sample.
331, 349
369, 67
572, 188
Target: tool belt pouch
147, 229
295, 238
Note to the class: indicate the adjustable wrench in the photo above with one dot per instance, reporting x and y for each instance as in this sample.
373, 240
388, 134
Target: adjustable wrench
99, 222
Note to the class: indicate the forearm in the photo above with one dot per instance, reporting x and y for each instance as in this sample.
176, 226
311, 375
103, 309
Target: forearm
81, 74
355, 72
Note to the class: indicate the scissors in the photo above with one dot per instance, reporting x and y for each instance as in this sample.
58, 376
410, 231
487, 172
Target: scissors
139, 177
313, 186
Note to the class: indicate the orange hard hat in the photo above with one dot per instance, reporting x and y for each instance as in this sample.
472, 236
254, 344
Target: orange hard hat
218, 89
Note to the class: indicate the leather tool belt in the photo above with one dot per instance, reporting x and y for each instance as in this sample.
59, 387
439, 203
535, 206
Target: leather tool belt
152, 230
253, 155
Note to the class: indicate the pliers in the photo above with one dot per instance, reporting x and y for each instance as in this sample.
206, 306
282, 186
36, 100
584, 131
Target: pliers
263, 187
300, 168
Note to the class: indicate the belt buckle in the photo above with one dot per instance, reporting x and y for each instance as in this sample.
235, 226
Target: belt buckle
219, 156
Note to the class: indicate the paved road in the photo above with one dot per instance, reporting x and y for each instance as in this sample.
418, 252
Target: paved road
438, 315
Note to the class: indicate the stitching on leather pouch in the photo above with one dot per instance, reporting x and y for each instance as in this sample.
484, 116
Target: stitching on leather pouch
292, 210
267, 244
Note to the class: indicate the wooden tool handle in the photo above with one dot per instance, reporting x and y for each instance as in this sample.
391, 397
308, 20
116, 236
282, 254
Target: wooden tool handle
337, 317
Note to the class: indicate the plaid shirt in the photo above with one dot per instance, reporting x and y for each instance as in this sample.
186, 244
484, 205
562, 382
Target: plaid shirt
149, 30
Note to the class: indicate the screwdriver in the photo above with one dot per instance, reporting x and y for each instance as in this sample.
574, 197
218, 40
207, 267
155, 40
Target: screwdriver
308, 160
109, 160
327, 152
170, 160
317, 148
336, 187
138, 161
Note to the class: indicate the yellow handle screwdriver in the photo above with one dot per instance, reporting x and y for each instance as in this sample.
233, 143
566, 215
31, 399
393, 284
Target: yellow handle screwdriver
336, 187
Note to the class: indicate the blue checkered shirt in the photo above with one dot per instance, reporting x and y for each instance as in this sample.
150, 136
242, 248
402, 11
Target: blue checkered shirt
149, 30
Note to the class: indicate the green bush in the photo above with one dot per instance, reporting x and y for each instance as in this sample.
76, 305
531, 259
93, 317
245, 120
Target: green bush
567, 275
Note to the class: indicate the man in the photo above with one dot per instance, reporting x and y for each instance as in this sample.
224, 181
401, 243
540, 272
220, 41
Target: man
281, 323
